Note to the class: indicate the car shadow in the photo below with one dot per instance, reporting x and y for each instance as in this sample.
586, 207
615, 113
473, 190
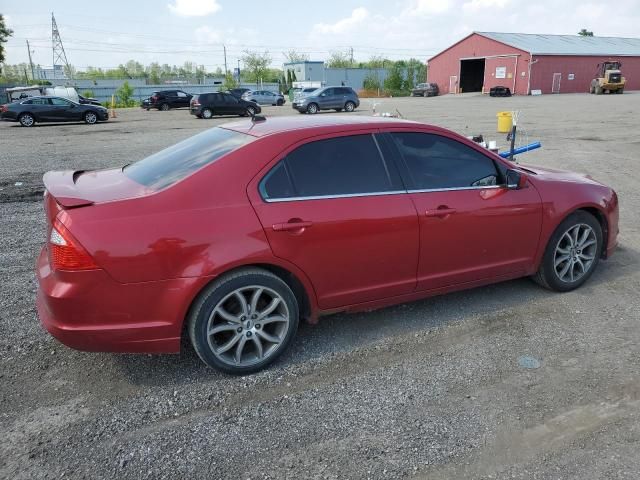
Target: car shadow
57, 124
343, 333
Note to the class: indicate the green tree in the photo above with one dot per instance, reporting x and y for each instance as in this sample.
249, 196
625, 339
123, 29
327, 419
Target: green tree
125, 95
256, 65
371, 82
395, 79
585, 33
338, 60
229, 82
5, 33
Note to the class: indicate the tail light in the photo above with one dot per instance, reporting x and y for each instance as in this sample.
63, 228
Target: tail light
3, 108
65, 253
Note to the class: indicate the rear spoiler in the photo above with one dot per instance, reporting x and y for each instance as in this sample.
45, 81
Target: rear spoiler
62, 186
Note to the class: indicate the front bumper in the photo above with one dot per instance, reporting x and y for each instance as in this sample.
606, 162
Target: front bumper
90, 311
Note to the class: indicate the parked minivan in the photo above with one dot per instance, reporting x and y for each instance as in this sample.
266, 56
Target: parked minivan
328, 98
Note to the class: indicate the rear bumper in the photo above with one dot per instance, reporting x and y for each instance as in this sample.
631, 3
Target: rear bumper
90, 311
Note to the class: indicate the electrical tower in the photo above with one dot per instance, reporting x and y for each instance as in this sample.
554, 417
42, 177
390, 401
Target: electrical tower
59, 57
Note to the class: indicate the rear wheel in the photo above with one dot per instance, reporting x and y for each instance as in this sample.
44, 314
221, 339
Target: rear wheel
349, 106
312, 108
90, 118
27, 120
164, 107
572, 253
279, 103
243, 321
207, 113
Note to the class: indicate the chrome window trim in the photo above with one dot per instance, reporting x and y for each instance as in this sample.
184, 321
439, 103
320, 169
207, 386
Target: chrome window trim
376, 194
452, 189
328, 197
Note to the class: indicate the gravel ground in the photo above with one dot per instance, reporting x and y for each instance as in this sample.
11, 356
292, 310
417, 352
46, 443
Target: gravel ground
430, 390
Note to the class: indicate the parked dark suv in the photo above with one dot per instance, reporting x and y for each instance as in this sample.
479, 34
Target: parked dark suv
166, 99
206, 105
425, 90
328, 98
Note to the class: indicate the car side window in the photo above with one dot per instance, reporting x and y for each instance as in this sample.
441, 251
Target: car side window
60, 101
182, 94
229, 98
39, 101
437, 162
331, 167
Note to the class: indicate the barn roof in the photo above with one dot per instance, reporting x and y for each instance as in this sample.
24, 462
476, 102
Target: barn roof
567, 44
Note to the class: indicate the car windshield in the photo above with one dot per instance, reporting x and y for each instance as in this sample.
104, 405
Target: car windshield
175, 163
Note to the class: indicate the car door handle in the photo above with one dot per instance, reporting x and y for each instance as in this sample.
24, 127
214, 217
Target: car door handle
441, 212
289, 226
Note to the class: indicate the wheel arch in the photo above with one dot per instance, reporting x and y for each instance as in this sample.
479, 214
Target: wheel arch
303, 291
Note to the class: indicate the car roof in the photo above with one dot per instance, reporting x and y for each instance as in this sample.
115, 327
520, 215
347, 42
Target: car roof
275, 125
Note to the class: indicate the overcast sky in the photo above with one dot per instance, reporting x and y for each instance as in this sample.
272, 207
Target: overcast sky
173, 31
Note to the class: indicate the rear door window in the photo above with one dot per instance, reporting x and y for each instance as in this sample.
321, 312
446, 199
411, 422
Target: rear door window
341, 166
172, 164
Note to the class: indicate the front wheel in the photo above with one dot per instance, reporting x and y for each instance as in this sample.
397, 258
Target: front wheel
349, 106
27, 120
312, 108
90, 118
207, 113
243, 321
572, 253
251, 111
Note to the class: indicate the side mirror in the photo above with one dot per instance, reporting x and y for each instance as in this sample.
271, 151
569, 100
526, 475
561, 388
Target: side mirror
515, 180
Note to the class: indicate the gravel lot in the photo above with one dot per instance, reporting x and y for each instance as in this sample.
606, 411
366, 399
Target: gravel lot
430, 390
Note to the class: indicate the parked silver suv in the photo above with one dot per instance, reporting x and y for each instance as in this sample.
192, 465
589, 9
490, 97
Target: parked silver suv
264, 97
328, 98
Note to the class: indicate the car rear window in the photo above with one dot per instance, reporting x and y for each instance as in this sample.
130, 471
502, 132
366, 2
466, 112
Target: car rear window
172, 164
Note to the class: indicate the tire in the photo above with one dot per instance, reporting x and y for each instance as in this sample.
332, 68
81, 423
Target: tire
148, 109
598, 90
349, 107
251, 111
279, 103
27, 120
238, 329
425, 94
312, 108
164, 107
620, 91
90, 118
580, 257
207, 113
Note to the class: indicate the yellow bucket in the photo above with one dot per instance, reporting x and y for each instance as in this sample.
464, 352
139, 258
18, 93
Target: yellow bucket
505, 122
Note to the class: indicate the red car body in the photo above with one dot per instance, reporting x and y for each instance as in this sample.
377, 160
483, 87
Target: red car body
149, 252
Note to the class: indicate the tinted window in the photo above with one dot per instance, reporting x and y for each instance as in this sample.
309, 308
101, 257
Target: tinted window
336, 166
40, 101
440, 162
182, 94
277, 183
61, 101
229, 98
175, 163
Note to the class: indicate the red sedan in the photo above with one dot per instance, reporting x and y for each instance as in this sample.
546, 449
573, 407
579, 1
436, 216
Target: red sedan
232, 236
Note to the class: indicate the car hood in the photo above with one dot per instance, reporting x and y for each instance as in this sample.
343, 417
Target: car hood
76, 188
545, 173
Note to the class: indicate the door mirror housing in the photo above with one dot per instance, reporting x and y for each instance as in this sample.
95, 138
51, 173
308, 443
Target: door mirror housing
515, 180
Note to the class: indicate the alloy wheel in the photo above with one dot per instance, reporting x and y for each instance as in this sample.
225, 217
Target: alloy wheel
26, 120
90, 118
248, 326
575, 253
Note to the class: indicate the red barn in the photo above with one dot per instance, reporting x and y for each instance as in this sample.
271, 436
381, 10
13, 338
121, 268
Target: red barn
526, 62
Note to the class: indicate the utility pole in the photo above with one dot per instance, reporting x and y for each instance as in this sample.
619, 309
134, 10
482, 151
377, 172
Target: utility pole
226, 70
238, 71
351, 63
33, 77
